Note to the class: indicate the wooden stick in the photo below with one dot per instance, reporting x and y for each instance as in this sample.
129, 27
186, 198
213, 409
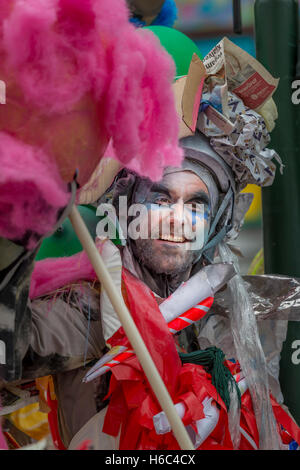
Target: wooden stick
131, 331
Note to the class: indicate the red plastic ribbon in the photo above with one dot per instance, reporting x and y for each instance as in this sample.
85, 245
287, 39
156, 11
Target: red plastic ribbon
133, 404
285, 420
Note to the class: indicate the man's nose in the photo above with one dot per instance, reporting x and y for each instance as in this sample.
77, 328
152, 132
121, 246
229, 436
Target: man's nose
178, 213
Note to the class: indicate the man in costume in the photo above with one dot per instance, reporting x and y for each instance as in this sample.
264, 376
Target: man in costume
71, 327
69, 321
163, 264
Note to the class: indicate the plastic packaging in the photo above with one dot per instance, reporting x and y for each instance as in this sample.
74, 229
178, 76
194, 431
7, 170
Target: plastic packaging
250, 355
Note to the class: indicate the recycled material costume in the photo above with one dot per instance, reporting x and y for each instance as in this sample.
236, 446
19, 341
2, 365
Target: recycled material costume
73, 322
60, 341
138, 434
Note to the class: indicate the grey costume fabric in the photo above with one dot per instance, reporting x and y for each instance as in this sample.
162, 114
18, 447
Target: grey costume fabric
16, 266
15, 318
63, 343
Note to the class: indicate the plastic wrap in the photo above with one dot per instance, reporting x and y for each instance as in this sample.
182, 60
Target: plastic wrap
215, 330
234, 418
275, 301
250, 354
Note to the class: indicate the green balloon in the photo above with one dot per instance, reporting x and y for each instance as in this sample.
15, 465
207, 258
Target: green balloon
178, 45
64, 241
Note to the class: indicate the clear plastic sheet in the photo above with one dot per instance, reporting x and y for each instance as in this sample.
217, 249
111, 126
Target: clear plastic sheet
234, 418
273, 297
275, 301
215, 330
250, 355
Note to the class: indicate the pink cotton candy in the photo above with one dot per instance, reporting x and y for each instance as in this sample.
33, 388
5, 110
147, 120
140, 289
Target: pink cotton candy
31, 191
56, 61
60, 56
67, 271
141, 112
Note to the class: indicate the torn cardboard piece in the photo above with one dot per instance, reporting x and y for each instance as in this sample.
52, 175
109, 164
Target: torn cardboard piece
229, 66
188, 93
192, 92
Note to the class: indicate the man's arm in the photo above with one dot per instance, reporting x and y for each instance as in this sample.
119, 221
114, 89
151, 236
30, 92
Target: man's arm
15, 315
66, 331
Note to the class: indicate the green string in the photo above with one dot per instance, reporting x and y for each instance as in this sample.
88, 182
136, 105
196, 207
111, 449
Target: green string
212, 359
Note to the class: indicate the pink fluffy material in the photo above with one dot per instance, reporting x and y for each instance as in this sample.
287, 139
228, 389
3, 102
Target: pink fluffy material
141, 111
51, 274
31, 191
3, 444
67, 48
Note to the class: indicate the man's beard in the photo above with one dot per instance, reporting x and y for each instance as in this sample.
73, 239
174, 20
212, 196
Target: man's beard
165, 259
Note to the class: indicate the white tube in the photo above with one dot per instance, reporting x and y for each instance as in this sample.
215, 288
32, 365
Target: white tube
205, 426
189, 294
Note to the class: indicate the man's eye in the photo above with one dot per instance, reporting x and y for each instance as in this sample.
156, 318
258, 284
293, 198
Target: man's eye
197, 207
162, 201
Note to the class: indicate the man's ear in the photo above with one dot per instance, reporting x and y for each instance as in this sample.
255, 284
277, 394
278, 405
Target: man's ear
124, 185
242, 204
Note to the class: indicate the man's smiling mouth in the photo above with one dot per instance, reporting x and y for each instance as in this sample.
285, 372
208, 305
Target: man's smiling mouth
170, 238
174, 239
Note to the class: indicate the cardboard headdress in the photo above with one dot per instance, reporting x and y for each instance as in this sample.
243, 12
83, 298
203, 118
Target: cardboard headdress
221, 103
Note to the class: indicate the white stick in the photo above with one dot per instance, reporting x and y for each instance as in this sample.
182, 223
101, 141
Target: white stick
131, 331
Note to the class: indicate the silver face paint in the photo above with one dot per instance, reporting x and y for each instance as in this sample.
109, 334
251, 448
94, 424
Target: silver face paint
179, 211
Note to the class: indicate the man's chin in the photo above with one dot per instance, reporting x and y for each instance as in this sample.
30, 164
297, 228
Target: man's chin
170, 261
165, 257
171, 248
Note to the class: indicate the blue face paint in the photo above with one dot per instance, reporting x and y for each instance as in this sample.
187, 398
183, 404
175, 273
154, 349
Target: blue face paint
197, 213
200, 219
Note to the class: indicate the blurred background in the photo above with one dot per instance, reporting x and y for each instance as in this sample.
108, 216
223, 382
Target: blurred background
207, 22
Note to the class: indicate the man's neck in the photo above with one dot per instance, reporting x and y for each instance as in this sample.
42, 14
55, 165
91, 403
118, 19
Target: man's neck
161, 284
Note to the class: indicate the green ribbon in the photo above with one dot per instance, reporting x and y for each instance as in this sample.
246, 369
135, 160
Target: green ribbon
212, 359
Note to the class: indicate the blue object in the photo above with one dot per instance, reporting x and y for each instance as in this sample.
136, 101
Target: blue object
293, 445
137, 22
168, 14
205, 103
166, 17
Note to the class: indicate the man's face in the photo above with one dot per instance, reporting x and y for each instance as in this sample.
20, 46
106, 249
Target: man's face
177, 213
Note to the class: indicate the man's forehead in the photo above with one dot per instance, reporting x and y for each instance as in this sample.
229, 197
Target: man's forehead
181, 183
